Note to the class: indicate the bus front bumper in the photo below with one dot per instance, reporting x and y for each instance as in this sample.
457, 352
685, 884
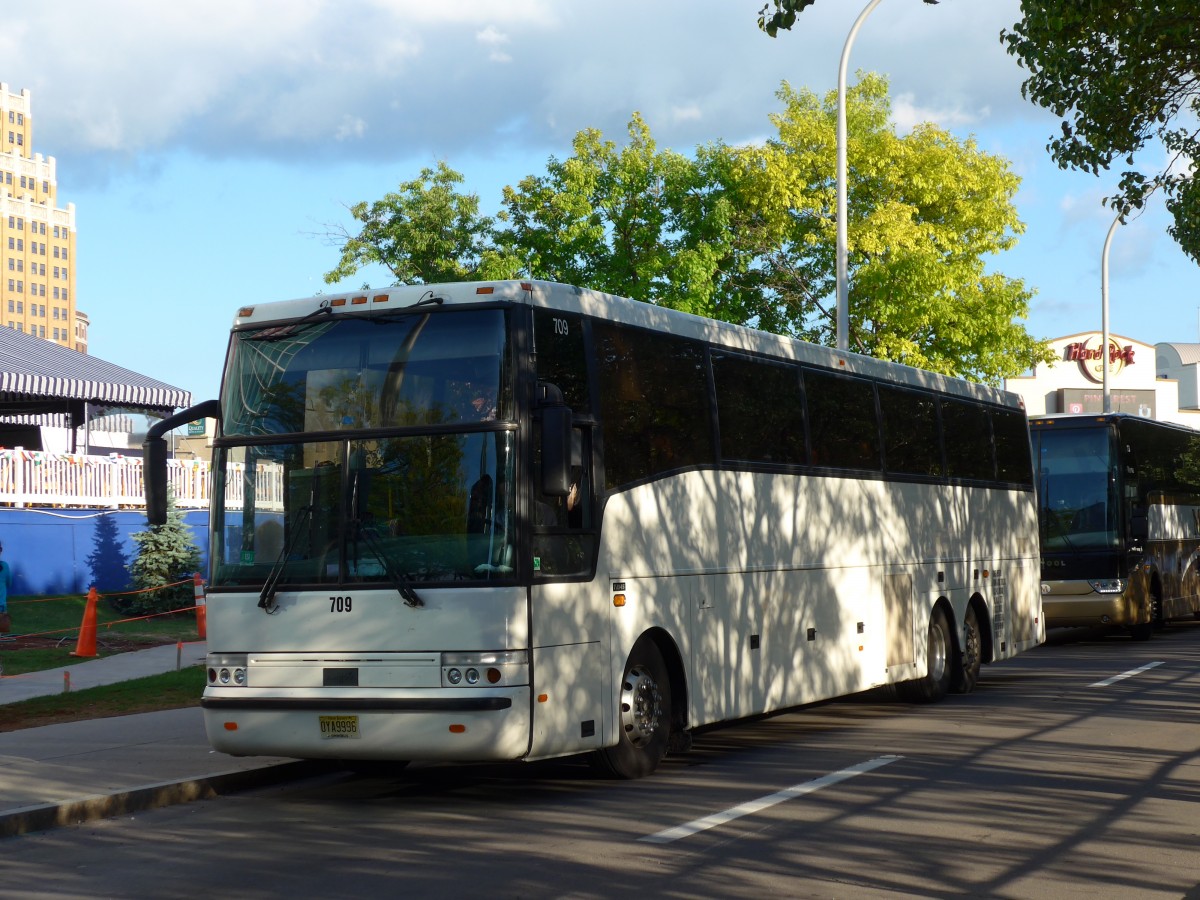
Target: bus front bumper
1074, 604
458, 726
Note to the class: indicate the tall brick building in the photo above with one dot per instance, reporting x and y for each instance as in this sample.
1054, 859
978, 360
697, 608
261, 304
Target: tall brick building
37, 238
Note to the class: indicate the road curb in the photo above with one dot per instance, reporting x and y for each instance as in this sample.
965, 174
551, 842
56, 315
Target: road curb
44, 816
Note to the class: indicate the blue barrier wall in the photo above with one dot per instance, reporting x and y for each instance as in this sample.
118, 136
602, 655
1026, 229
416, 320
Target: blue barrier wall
65, 551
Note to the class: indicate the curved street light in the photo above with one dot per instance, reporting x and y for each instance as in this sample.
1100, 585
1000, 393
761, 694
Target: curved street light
1104, 359
1112, 229
843, 299
843, 293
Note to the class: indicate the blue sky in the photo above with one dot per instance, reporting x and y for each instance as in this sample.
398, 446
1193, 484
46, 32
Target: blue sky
207, 146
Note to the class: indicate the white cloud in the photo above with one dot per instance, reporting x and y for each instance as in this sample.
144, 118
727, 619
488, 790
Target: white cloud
350, 129
494, 39
688, 113
907, 114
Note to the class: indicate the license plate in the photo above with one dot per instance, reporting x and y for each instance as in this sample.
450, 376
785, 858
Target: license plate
339, 726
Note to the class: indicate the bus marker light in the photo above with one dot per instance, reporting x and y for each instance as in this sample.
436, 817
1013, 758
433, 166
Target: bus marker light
231, 726
985, 573
338, 301
358, 301
618, 599
542, 698
245, 312
485, 290
458, 729
493, 676
381, 298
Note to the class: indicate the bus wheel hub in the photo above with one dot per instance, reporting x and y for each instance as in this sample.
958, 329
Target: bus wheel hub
641, 707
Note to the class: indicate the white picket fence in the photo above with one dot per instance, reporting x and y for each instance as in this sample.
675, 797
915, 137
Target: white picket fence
36, 478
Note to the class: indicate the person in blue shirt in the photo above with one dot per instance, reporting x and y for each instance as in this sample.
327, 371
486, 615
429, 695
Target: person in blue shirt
5, 584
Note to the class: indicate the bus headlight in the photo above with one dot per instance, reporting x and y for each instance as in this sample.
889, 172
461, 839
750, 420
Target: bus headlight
503, 668
227, 669
1107, 585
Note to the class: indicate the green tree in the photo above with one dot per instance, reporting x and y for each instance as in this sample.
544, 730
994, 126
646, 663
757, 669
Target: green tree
747, 234
1120, 75
165, 554
427, 232
637, 221
783, 17
926, 213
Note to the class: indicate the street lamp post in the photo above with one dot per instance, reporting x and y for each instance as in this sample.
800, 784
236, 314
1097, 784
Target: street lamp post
843, 293
843, 299
1112, 229
1104, 361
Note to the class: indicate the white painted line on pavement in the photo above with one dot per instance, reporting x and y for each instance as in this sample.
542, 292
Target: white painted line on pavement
1138, 671
752, 806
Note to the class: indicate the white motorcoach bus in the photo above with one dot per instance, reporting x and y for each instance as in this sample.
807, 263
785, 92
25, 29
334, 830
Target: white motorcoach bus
520, 520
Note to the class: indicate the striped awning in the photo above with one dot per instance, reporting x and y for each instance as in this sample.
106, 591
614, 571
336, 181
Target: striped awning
34, 371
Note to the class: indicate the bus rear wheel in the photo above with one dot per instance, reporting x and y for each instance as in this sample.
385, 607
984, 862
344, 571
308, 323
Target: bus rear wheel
966, 672
938, 664
644, 716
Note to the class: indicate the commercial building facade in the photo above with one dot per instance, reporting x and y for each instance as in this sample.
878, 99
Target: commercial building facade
1156, 381
37, 238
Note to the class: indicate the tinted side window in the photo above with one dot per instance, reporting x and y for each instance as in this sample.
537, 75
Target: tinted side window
968, 439
561, 357
911, 445
654, 400
841, 421
760, 411
1010, 430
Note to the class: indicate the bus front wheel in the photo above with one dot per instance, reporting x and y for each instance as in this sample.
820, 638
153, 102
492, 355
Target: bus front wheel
939, 659
644, 715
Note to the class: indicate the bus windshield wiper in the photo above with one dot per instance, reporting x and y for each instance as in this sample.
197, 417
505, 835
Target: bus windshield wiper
266, 597
279, 332
397, 578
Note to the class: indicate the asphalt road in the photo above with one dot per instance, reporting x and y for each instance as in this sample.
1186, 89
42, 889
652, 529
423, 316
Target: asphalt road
1072, 771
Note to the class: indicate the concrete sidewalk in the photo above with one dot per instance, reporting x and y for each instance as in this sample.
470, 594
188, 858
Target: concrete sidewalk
78, 771
88, 673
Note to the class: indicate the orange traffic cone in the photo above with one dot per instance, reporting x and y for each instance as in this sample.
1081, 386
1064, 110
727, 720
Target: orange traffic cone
86, 645
201, 607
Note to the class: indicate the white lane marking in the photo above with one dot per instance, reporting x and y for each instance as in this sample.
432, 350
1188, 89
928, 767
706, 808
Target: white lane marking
752, 806
1138, 671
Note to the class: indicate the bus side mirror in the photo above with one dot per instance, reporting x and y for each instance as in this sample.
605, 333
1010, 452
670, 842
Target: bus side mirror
154, 472
556, 451
1139, 528
556, 440
154, 456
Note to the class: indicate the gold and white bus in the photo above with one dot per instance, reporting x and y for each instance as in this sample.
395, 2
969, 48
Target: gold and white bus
1119, 510
520, 520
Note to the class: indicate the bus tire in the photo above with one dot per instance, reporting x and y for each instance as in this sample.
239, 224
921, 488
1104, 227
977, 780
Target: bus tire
643, 716
966, 670
939, 658
1158, 613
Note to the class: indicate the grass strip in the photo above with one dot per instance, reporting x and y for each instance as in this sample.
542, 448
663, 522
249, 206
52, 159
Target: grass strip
171, 690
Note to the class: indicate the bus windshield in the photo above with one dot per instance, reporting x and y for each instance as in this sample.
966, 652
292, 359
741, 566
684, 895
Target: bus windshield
388, 371
420, 486
1077, 499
